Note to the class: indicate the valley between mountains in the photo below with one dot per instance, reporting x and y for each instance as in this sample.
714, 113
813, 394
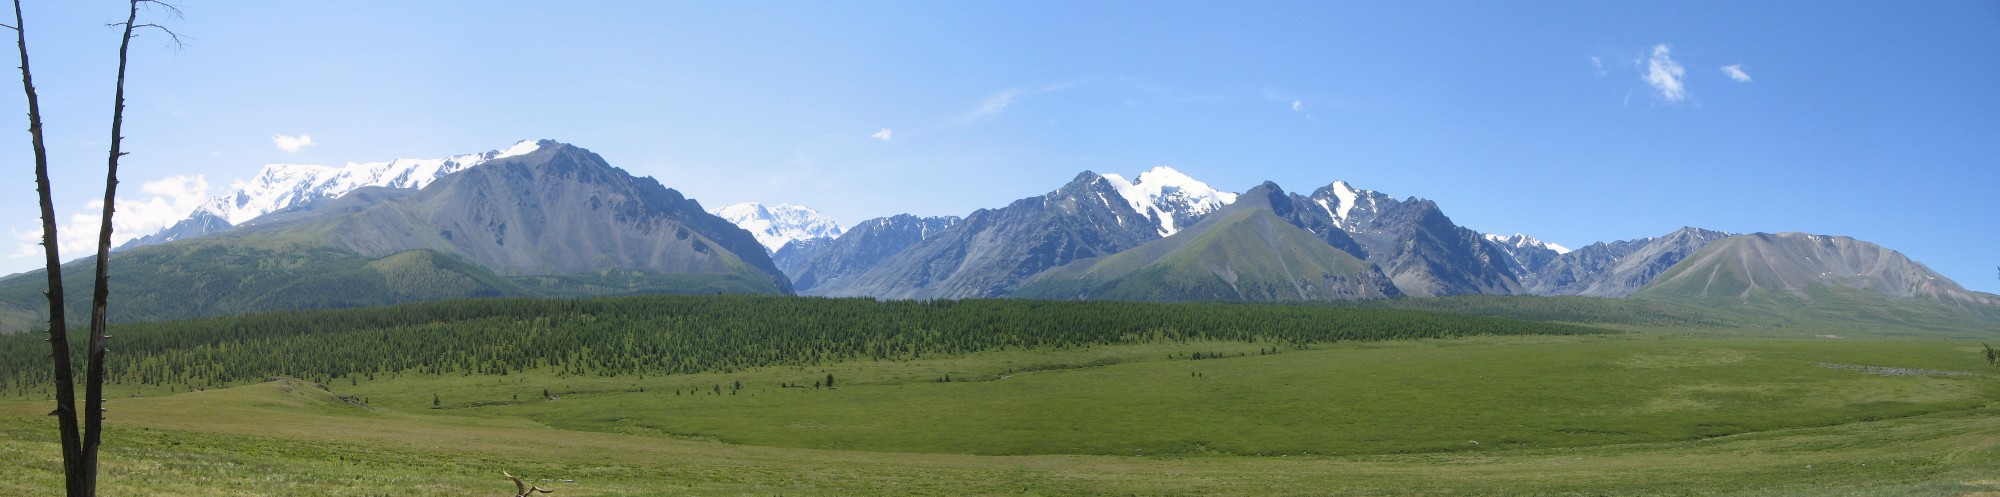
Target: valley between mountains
416, 327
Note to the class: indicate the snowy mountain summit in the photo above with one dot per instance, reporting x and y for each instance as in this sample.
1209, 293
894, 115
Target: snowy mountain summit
282, 186
1521, 241
774, 226
1173, 200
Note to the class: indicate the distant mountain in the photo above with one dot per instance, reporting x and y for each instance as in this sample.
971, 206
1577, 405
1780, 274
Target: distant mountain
1525, 255
558, 210
993, 251
816, 262
284, 186
1525, 242
1244, 251
1788, 265
1413, 242
774, 226
201, 222
1831, 279
556, 221
1616, 269
1171, 199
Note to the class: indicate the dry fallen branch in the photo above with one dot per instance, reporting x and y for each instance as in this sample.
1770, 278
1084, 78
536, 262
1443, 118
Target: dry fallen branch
522, 489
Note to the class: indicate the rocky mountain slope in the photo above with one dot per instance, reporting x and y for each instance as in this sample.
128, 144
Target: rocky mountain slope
1413, 242
821, 261
1615, 269
557, 210
284, 186
1244, 251
1763, 265
556, 221
993, 251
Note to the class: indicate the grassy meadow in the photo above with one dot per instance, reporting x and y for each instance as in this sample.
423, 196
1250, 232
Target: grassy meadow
730, 395
1621, 414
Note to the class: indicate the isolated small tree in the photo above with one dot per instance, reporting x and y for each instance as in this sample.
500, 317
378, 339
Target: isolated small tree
829, 380
1992, 356
436, 401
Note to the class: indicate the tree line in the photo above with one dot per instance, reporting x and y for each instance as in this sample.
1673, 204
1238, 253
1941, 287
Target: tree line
656, 335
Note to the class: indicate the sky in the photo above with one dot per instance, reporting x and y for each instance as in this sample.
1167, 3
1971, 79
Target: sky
1573, 122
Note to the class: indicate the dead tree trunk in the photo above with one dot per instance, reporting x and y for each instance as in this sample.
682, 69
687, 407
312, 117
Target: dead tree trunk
79, 444
93, 393
74, 464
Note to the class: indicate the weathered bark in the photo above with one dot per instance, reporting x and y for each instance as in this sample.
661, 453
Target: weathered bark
75, 465
93, 393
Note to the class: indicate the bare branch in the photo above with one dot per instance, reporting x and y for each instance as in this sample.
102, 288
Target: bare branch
172, 10
523, 489
180, 42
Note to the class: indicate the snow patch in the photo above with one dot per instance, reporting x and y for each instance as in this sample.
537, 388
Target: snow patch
1347, 195
525, 147
1162, 192
281, 186
774, 226
1520, 240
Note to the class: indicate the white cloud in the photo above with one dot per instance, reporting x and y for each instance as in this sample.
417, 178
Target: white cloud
1298, 106
883, 135
992, 106
1598, 64
1735, 72
28, 243
1666, 76
166, 201
293, 144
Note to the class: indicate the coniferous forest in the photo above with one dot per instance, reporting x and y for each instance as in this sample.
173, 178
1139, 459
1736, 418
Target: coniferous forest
686, 334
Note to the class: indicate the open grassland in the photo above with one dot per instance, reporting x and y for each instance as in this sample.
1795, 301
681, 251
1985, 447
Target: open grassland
1629, 414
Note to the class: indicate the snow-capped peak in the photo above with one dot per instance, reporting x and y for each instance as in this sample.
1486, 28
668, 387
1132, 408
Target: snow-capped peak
524, 147
1344, 203
280, 186
774, 226
1524, 241
1347, 195
1169, 197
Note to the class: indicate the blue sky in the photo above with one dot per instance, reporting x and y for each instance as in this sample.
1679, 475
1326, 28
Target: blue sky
1573, 122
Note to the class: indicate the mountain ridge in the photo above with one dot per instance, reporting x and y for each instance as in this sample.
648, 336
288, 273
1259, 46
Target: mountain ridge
1244, 251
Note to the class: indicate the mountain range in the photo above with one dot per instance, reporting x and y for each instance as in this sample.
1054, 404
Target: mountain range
774, 226
548, 218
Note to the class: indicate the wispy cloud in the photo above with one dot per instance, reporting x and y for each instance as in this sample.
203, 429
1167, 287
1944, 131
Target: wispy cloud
1667, 77
1735, 72
1298, 106
883, 135
166, 201
992, 106
293, 144
1597, 64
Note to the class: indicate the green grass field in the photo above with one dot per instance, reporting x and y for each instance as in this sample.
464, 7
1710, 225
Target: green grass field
1626, 414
